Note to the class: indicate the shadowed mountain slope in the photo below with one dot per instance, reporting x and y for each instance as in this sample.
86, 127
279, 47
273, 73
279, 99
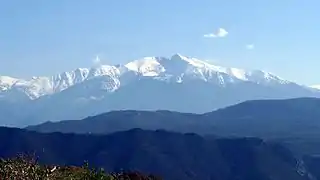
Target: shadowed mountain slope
173, 156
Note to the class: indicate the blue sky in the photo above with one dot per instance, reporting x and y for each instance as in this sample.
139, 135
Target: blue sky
40, 37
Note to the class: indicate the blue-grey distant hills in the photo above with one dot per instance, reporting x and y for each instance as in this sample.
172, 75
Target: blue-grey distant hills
177, 83
293, 121
298, 117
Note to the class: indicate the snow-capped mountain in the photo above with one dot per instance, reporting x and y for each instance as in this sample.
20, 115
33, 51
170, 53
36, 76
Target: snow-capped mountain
175, 69
179, 67
41, 86
176, 83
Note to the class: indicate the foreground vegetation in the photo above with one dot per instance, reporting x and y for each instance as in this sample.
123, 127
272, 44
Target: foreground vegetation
27, 168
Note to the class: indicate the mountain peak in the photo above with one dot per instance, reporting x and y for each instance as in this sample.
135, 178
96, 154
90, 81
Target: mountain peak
178, 56
7, 80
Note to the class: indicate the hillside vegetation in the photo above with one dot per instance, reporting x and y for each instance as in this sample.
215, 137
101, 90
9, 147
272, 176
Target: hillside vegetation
27, 168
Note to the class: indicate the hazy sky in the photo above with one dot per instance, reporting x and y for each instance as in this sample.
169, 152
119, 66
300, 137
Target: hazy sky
42, 37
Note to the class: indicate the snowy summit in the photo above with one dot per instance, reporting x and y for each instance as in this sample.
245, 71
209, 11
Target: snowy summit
176, 68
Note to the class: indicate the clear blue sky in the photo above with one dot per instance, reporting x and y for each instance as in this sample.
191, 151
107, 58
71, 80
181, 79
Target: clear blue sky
42, 37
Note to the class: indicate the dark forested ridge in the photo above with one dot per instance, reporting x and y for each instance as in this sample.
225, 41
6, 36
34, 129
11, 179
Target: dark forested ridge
293, 121
171, 155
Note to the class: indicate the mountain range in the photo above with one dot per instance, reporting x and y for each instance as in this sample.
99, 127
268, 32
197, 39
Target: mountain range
150, 83
173, 156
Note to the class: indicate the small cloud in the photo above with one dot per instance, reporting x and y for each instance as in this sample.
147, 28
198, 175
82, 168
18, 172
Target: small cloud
96, 61
250, 46
219, 34
209, 35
